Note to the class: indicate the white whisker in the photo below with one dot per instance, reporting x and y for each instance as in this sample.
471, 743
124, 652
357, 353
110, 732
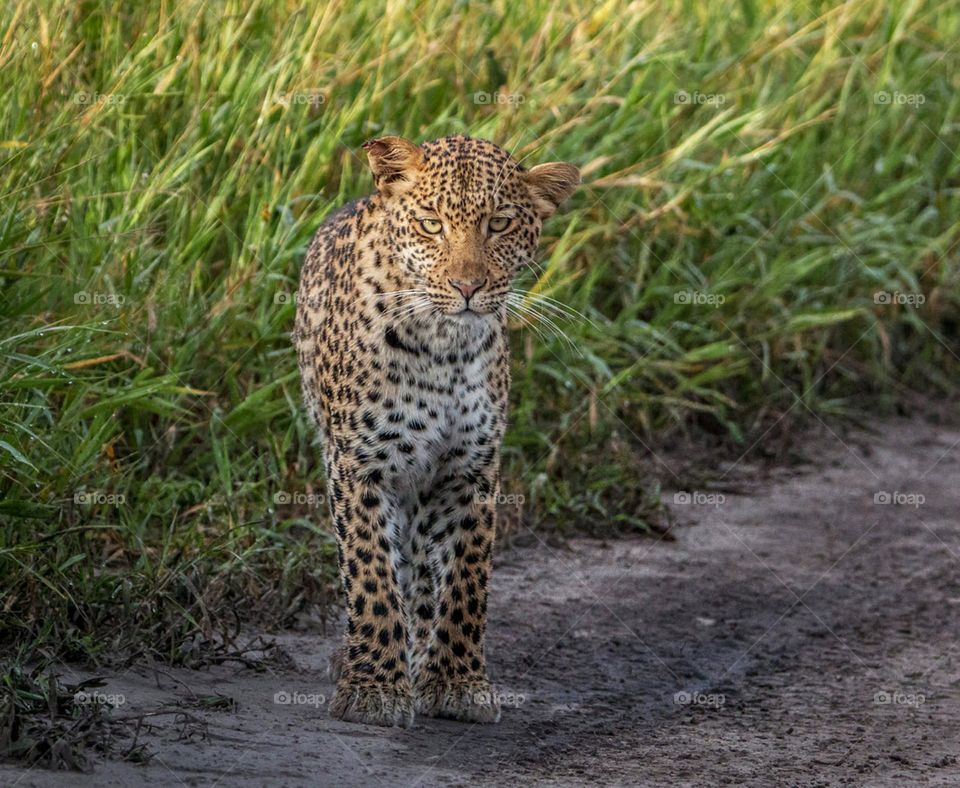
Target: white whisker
526, 322
527, 309
405, 312
408, 307
556, 307
392, 294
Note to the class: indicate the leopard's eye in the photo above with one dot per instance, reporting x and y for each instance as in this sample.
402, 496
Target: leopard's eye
498, 224
431, 226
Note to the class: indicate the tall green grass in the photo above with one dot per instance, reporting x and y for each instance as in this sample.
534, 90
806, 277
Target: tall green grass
760, 178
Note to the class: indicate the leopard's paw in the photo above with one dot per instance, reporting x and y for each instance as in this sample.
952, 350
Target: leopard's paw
372, 704
472, 700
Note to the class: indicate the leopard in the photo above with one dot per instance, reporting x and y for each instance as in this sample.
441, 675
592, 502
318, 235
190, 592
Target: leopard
401, 335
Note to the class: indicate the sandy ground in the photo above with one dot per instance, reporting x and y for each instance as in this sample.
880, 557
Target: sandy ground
796, 633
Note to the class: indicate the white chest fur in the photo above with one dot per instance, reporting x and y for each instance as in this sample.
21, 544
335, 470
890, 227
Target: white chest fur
437, 403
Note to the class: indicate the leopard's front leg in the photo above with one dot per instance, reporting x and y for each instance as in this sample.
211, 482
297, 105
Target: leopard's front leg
373, 684
450, 671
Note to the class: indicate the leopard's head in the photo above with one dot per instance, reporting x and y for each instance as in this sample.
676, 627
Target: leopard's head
464, 217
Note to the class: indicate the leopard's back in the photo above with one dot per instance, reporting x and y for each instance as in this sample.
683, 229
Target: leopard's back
326, 284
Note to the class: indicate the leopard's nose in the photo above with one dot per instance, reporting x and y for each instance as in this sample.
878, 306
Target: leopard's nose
467, 288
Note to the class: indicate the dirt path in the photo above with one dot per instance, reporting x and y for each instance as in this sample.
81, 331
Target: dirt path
797, 634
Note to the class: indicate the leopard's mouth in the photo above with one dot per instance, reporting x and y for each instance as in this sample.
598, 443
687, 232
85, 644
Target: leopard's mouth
470, 310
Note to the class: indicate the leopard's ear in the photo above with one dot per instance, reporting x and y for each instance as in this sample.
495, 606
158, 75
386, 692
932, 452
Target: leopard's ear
551, 184
394, 162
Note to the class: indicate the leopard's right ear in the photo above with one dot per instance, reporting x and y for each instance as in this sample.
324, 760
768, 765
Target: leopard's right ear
394, 162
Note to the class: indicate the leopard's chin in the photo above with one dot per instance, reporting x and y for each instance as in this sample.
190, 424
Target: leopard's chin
470, 317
